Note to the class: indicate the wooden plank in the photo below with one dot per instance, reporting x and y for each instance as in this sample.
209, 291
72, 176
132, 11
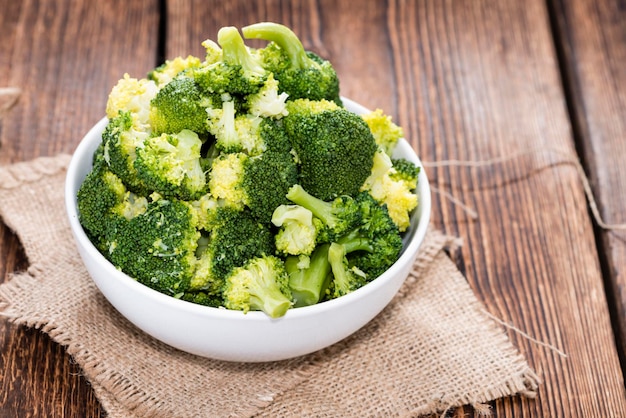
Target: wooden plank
65, 57
477, 81
591, 36
485, 84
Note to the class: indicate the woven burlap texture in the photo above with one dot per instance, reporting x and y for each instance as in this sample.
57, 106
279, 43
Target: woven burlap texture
433, 348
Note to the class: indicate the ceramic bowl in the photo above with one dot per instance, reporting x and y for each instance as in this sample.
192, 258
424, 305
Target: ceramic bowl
232, 335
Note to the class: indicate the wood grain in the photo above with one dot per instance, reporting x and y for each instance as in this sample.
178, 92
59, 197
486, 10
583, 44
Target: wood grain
65, 57
467, 80
476, 81
483, 82
592, 36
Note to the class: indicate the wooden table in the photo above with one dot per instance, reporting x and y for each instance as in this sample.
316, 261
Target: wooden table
530, 87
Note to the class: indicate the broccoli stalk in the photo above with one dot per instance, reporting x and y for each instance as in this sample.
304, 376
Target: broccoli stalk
309, 282
336, 216
235, 52
296, 69
345, 278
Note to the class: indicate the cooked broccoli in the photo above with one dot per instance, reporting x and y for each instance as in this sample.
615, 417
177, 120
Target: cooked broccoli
167, 71
394, 186
309, 276
365, 252
334, 146
132, 95
297, 234
120, 140
241, 181
268, 102
170, 165
262, 284
386, 133
103, 198
258, 182
335, 217
180, 104
239, 72
236, 237
157, 247
301, 74
346, 278
405, 171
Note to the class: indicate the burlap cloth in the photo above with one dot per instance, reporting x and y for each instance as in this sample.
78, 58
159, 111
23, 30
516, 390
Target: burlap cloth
433, 348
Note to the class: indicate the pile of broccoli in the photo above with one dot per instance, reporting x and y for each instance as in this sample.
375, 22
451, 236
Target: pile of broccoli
240, 181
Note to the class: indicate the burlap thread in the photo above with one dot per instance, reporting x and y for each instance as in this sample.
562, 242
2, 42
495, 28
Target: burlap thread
433, 348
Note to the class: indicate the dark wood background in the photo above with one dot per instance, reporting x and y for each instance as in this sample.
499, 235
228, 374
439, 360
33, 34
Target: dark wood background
540, 81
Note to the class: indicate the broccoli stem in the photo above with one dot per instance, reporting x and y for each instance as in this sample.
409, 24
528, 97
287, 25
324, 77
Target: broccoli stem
354, 241
271, 301
320, 209
308, 285
235, 52
343, 277
285, 38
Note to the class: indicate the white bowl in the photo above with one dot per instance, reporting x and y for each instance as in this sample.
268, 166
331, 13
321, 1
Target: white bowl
232, 335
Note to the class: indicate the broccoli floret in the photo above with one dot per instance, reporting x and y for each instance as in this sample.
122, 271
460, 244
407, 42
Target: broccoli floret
235, 238
132, 95
376, 243
334, 146
267, 102
120, 140
386, 133
259, 182
262, 284
300, 73
346, 278
297, 234
167, 71
367, 251
235, 133
335, 217
309, 277
239, 72
394, 186
157, 248
170, 165
405, 171
180, 104
99, 193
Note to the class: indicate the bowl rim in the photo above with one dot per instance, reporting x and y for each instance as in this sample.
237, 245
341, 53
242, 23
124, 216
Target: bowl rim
73, 180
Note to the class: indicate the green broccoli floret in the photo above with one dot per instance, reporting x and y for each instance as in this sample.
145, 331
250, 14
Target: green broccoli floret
297, 234
346, 278
309, 276
239, 72
170, 165
376, 243
102, 201
335, 217
394, 186
405, 171
180, 104
167, 71
157, 247
334, 146
259, 182
301, 74
235, 238
120, 141
386, 133
262, 284
268, 102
